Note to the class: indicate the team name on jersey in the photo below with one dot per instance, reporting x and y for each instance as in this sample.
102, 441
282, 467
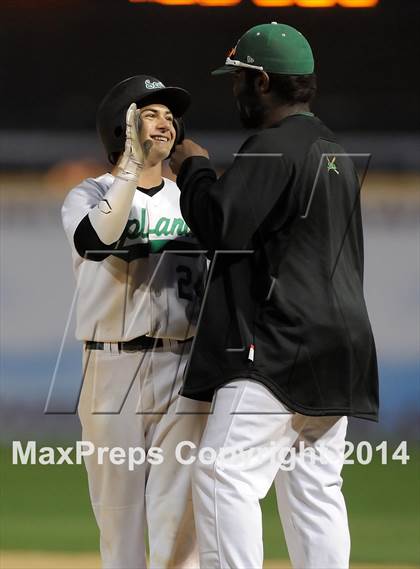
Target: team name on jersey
165, 227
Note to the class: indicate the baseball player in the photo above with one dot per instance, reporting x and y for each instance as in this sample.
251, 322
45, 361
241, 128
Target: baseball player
284, 347
139, 279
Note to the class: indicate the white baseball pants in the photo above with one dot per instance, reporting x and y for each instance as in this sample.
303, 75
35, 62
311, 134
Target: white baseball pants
148, 414
250, 423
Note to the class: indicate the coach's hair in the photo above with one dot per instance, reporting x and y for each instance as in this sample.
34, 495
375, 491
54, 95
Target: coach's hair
288, 89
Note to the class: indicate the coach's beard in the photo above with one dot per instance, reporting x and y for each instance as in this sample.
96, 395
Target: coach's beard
251, 111
250, 115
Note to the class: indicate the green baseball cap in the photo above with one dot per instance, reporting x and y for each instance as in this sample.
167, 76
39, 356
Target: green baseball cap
274, 48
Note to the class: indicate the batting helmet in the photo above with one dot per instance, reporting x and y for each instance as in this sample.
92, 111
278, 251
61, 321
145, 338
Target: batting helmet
142, 90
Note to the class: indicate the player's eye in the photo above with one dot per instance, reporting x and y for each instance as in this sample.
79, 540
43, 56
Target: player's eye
149, 114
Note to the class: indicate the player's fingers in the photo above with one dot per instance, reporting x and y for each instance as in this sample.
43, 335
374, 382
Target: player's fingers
131, 114
138, 122
131, 121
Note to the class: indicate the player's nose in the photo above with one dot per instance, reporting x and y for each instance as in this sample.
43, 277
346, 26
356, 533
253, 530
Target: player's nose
164, 123
165, 126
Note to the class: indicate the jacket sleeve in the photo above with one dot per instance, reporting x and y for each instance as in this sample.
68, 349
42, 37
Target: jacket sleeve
225, 213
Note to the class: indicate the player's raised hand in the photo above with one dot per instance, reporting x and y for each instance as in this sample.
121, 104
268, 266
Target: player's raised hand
135, 152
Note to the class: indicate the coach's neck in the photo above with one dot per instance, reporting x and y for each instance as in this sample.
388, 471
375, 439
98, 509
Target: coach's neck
276, 113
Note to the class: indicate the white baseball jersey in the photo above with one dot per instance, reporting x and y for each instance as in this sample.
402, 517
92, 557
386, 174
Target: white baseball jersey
147, 283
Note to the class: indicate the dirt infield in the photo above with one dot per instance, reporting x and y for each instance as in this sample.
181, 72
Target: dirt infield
40, 560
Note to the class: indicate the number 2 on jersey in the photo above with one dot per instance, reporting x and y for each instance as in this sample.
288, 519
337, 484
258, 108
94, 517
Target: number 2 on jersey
185, 282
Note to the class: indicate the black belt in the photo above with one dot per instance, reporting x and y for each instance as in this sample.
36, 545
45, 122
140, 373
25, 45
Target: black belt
139, 343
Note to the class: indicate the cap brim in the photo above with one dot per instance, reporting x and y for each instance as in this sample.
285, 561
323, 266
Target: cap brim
176, 99
224, 70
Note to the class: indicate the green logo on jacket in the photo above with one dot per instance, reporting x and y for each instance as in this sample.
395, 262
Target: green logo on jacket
331, 165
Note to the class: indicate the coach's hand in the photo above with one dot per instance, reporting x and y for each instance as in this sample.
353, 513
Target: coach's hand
183, 151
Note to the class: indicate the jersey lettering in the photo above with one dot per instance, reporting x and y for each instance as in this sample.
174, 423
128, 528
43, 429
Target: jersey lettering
162, 227
165, 226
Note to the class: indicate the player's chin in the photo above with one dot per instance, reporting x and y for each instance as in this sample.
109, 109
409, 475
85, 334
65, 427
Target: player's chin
162, 151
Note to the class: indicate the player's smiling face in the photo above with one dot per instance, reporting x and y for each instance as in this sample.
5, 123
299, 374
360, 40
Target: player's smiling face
158, 125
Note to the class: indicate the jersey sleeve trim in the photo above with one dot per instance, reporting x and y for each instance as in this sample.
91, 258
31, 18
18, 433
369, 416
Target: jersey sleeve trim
87, 243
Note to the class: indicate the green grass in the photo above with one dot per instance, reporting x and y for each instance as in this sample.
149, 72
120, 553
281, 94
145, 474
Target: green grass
47, 508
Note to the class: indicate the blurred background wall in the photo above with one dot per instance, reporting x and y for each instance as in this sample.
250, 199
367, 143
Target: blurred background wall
59, 59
